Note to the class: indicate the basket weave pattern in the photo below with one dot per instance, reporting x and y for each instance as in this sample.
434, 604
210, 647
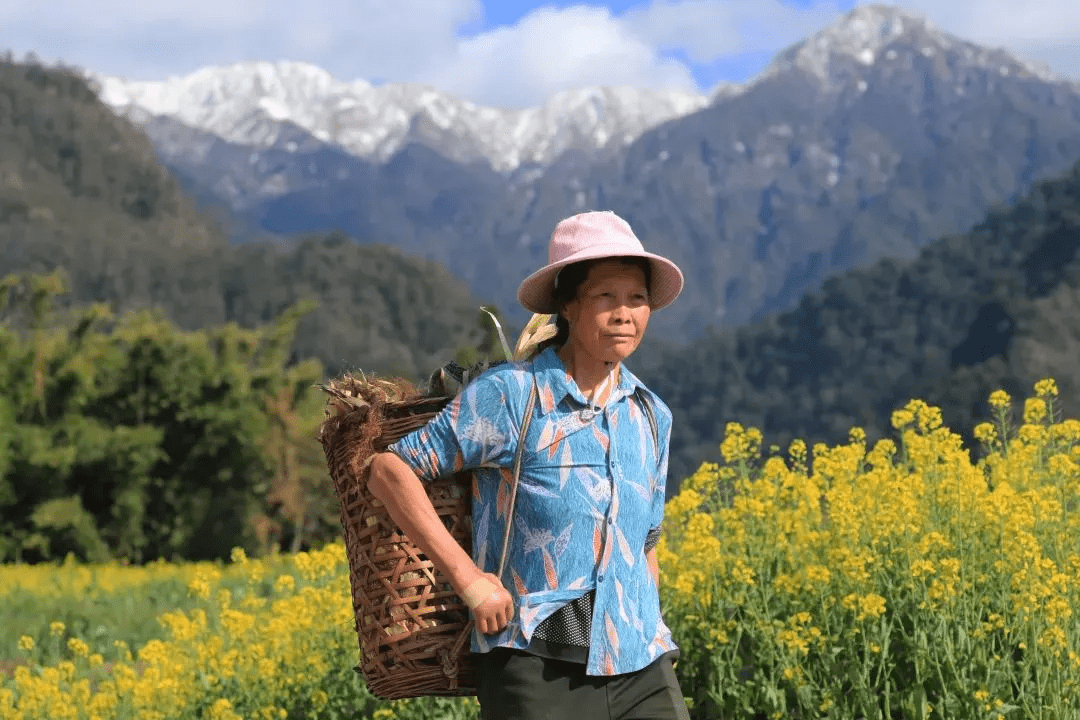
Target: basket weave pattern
412, 627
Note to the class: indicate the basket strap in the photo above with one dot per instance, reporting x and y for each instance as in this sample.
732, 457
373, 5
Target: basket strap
519, 454
650, 415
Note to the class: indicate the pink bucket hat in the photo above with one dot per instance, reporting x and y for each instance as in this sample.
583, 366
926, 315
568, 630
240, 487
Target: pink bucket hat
590, 236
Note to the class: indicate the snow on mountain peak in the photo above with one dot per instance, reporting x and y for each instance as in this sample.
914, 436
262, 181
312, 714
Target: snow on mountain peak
253, 103
865, 35
861, 34
869, 28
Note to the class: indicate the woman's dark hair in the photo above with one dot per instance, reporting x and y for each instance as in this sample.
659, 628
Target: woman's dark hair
569, 280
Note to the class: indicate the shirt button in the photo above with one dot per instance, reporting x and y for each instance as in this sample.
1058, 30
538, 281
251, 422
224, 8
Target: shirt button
610, 521
600, 578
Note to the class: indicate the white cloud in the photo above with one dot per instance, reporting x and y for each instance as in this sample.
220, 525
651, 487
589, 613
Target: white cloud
1003, 20
707, 29
373, 39
1047, 31
551, 50
404, 40
433, 42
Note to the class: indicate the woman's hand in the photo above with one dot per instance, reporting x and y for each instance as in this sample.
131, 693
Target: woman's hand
491, 604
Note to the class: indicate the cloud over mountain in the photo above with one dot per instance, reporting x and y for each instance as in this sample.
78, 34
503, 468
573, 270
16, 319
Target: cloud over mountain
655, 44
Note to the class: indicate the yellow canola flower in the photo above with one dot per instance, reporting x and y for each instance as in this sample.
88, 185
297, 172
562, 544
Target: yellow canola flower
985, 432
223, 710
1046, 388
818, 575
78, 647
740, 444
26, 643
1000, 400
285, 584
902, 418
1034, 410
870, 606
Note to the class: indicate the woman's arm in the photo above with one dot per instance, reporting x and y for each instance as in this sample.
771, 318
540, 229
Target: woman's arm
654, 565
401, 492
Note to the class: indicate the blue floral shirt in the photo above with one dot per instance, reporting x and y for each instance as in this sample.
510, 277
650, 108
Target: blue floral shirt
592, 486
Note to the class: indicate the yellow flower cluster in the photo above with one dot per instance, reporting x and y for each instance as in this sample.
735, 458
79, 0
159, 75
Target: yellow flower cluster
247, 651
863, 579
260, 639
98, 581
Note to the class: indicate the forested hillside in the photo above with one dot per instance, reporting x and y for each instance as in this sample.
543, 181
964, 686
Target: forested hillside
378, 310
995, 307
82, 191
126, 437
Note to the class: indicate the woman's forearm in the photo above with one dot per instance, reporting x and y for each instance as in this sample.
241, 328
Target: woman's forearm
401, 492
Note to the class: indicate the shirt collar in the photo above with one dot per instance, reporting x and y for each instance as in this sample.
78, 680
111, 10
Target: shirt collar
554, 383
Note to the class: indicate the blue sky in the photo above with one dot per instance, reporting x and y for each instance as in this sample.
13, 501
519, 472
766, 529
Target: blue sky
736, 67
503, 53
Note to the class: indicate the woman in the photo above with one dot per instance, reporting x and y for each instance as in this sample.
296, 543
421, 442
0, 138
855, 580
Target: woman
573, 628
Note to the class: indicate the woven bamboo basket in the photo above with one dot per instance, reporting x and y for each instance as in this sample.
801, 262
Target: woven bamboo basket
412, 627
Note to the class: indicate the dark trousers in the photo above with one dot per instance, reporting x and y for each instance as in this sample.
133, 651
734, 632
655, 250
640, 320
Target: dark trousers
515, 685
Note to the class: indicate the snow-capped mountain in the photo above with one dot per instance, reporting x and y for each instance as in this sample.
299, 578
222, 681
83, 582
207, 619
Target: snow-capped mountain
254, 103
865, 141
865, 37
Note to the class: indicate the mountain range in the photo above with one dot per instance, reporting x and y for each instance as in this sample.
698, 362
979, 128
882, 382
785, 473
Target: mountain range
82, 192
866, 140
260, 104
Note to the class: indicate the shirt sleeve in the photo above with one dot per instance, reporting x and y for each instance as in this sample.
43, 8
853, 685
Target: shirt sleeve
474, 430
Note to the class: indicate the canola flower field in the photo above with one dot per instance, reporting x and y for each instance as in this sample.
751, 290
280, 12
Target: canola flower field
902, 580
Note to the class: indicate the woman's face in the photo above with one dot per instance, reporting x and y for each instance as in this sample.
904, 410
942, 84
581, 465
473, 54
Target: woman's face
609, 314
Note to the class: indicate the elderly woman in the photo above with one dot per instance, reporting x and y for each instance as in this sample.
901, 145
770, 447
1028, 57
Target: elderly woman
573, 628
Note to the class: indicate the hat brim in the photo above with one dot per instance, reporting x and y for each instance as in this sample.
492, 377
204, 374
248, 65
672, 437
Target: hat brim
537, 292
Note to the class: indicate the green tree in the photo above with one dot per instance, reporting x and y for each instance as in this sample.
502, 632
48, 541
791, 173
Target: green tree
130, 434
